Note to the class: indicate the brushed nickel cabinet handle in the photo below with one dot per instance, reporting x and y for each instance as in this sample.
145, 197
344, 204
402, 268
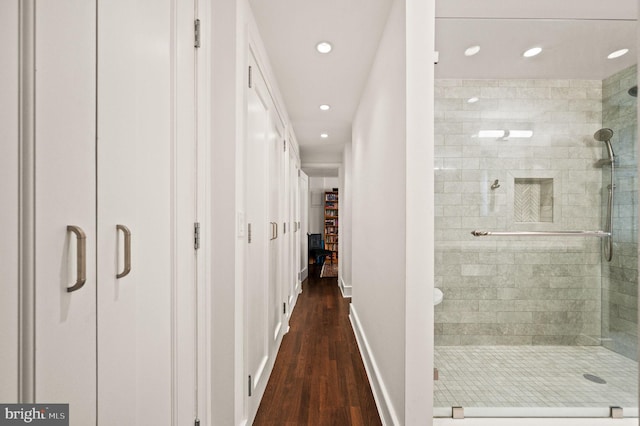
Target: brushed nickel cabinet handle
127, 250
81, 256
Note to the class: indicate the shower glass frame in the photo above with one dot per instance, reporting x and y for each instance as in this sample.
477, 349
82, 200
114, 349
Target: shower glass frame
480, 276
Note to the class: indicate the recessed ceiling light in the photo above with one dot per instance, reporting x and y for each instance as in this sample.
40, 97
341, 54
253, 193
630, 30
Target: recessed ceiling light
472, 50
473, 100
618, 53
324, 135
325, 107
532, 52
324, 47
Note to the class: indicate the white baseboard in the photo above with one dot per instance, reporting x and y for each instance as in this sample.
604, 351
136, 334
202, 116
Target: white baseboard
380, 394
304, 273
344, 288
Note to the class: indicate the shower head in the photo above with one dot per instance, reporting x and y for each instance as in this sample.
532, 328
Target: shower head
633, 91
605, 135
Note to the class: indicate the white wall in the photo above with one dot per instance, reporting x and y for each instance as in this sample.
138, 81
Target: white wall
304, 225
379, 208
392, 217
345, 229
9, 214
227, 41
317, 187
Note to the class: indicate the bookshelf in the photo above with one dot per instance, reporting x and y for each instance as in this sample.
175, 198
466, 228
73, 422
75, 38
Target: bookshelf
331, 222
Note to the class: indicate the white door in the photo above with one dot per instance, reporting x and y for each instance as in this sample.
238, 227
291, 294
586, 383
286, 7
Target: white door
285, 200
134, 213
9, 213
118, 349
147, 168
292, 259
304, 228
65, 182
258, 235
277, 272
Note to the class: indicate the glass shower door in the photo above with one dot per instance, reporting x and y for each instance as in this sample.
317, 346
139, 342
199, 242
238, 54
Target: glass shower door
535, 321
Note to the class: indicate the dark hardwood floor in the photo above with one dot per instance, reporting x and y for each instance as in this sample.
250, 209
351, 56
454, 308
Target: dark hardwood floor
318, 377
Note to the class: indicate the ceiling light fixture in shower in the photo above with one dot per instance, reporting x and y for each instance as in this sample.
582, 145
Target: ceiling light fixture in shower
520, 133
491, 133
472, 50
324, 135
324, 47
534, 51
473, 100
618, 53
325, 107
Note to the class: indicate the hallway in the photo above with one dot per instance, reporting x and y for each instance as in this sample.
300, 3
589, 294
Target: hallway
318, 377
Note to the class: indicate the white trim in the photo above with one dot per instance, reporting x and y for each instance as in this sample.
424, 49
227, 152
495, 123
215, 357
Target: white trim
304, 274
380, 393
26, 285
203, 213
344, 288
320, 165
535, 422
419, 210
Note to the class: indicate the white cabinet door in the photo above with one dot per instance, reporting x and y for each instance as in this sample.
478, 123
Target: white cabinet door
277, 199
263, 185
9, 213
294, 247
65, 183
134, 191
285, 208
260, 234
121, 347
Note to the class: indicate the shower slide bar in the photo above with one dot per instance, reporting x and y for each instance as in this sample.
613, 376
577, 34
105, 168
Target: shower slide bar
598, 234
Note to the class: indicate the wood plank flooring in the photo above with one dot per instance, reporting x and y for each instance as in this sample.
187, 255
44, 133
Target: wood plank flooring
318, 377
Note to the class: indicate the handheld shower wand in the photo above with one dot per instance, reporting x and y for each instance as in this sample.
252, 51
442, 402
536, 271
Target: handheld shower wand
605, 135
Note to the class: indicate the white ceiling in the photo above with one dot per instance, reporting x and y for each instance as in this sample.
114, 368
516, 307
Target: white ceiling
291, 29
572, 49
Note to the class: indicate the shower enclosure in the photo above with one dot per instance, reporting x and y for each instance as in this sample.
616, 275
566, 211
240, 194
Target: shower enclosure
536, 235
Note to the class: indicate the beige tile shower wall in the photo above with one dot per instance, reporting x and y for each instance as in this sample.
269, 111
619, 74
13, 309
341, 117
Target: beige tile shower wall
620, 276
506, 290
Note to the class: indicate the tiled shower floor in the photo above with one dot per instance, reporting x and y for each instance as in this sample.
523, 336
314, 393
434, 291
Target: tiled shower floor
533, 376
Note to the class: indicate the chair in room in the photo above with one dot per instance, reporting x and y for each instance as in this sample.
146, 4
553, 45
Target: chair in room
317, 250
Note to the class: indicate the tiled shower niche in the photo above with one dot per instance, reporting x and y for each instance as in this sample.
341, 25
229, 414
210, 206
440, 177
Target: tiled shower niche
533, 200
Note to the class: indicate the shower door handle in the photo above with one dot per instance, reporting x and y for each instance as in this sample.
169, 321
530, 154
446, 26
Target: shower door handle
81, 257
127, 250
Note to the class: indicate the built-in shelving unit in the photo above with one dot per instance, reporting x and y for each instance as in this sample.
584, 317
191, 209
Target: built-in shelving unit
331, 211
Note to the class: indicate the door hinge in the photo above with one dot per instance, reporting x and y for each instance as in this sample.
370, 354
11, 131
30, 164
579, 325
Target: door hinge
196, 422
298, 173
284, 307
196, 29
284, 146
196, 235
250, 77
250, 385
284, 227
249, 233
